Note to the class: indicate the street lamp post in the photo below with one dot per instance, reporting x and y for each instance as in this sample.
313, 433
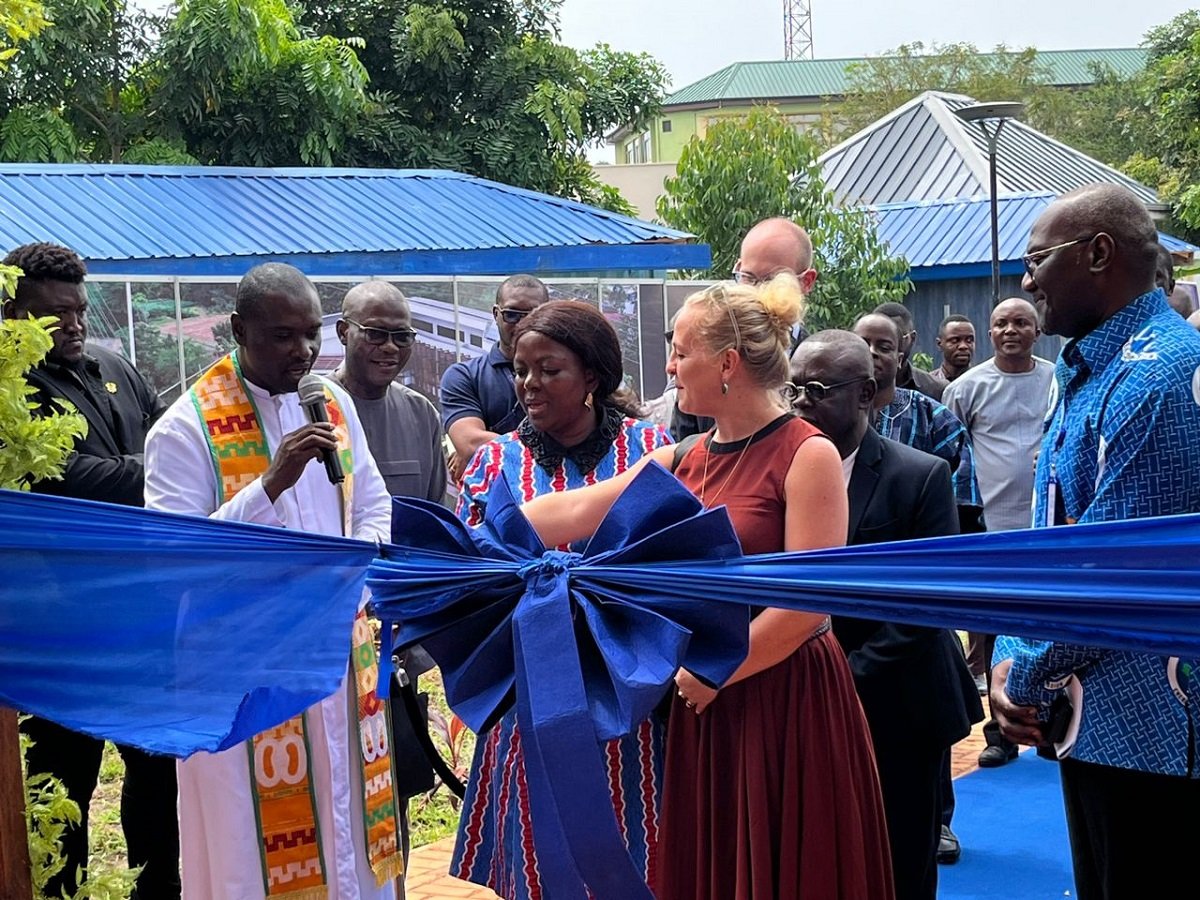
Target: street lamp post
998, 113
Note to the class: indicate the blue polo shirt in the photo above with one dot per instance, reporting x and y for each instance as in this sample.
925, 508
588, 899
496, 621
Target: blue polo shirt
481, 388
1124, 420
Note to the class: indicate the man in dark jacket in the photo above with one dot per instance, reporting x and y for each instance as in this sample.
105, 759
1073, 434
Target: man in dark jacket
915, 687
106, 465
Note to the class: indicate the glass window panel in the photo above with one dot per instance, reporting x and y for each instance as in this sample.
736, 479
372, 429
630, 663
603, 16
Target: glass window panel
156, 336
619, 304
207, 334
108, 316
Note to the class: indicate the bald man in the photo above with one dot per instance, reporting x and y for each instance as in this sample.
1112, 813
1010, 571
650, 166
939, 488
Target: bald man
769, 248
896, 493
1002, 402
1123, 411
773, 246
402, 427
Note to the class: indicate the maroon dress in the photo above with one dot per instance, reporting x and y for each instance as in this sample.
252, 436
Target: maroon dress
772, 792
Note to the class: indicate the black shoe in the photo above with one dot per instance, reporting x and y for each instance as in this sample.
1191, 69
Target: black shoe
948, 850
996, 755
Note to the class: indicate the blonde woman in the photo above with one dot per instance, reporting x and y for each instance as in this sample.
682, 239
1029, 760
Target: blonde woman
770, 787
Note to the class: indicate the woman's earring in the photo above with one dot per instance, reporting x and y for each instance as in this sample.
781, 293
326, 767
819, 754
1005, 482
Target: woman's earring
587, 401
724, 388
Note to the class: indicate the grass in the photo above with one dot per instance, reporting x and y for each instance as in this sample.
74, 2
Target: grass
432, 816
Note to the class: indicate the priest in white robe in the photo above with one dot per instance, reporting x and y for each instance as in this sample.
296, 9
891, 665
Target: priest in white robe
277, 327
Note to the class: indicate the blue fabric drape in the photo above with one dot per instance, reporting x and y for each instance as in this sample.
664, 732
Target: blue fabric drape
585, 643
177, 634
171, 633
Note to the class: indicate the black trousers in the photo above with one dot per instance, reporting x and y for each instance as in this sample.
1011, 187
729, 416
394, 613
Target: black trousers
1133, 834
148, 807
910, 776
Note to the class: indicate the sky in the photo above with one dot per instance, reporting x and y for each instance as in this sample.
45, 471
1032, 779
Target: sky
694, 38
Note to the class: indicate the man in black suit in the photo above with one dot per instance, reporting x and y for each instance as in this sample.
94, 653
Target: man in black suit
915, 687
106, 464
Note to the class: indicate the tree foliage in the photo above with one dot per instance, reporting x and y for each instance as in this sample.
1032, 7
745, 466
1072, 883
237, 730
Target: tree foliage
19, 21
1106, 120
32, 447
481, 86
1171, 93
747, 170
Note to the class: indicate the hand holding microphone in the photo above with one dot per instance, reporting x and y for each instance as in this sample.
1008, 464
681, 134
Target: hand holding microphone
296, 450
312, 399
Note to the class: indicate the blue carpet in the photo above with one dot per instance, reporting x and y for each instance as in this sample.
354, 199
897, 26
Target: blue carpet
1014, 835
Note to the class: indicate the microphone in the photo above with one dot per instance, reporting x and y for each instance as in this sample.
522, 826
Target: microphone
312, 397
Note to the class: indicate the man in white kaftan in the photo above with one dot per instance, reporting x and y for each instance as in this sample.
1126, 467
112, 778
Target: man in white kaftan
277, 327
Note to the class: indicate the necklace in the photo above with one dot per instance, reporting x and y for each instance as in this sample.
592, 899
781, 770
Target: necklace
725, 483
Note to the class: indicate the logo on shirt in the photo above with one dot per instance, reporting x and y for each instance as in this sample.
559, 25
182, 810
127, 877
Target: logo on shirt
1196, 385
1140, 347
110, 386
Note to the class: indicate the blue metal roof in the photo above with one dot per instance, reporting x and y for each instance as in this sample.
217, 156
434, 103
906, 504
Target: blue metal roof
953, 238
210, 220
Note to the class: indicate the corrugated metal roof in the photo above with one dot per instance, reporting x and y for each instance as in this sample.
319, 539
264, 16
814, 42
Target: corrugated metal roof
410, 218
922, 151
777, 79
945, 233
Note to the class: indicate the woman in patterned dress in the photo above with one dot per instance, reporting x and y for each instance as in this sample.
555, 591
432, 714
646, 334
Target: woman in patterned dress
579, 428
770, 788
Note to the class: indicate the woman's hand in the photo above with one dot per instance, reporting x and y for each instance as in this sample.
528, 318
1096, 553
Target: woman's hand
695, 693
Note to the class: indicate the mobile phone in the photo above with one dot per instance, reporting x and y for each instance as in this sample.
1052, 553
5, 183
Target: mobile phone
1060, 719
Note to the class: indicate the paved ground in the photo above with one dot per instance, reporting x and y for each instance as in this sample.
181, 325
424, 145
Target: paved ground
427, 878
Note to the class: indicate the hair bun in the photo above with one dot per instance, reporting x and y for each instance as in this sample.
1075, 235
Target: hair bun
782, 299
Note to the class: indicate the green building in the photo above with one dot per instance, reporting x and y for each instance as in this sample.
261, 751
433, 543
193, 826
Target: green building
801, 89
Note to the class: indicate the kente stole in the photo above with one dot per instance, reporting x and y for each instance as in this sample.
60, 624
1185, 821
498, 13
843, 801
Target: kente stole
284, 803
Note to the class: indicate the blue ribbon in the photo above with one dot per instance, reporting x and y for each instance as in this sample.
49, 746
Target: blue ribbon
508, 622
176, 634
171, 633
582, 665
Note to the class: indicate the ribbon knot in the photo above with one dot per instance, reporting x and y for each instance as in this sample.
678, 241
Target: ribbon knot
552, 562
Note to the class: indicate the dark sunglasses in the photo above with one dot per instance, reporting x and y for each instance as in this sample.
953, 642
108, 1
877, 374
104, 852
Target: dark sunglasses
404, 337
814, 390
513, 316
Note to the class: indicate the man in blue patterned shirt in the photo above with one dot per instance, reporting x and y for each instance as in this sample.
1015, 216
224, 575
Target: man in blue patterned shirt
1125, 409
917, 420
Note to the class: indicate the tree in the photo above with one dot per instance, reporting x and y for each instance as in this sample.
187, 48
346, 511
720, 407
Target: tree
747, 170
1171, 93
1105, 120
240, 84
481, 86
78, 89
19, 21
879, 84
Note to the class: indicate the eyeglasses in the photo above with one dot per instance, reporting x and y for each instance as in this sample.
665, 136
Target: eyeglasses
403, 337
749, 278
814, 390
513, 316
1035, 259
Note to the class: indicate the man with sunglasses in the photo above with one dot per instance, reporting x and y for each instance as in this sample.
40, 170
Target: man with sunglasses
916, 690
478, 399
402, 427
1124, 411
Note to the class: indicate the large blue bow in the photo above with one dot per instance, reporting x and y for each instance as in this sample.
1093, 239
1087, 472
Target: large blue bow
504, 618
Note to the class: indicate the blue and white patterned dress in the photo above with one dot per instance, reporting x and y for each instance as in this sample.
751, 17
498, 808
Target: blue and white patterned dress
495, 844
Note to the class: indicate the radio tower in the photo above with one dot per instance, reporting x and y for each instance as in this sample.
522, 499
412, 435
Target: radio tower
797, 29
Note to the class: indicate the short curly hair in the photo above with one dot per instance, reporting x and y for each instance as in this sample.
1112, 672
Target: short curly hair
45, 262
